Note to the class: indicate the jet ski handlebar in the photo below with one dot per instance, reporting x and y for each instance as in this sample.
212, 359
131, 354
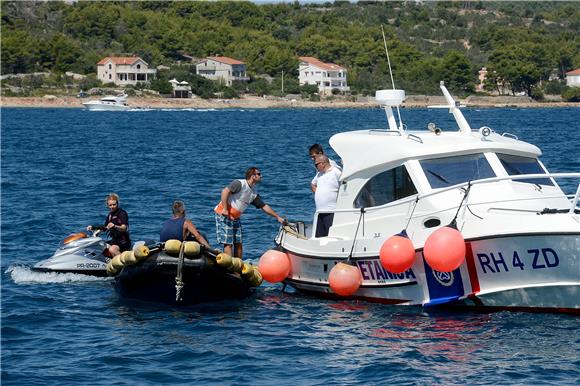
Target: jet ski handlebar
96, 229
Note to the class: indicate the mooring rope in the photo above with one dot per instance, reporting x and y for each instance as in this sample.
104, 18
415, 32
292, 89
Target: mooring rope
412, 212
362, 215
453, 222
179, 284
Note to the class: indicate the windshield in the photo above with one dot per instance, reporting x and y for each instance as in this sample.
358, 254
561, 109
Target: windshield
518, 165
448, 171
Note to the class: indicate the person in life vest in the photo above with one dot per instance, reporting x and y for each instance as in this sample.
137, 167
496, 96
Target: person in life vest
117, 226
180, 228
235, 199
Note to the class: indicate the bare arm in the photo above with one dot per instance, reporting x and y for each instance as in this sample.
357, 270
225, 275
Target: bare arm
226, 193
268, 210
313, 187
189, 227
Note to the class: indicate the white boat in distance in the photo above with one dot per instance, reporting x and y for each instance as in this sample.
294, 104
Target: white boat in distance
108, 103
521, 233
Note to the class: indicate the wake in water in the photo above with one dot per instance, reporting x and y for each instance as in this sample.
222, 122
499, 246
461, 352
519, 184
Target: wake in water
23, 274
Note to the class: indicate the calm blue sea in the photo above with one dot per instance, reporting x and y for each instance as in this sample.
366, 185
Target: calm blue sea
59, 164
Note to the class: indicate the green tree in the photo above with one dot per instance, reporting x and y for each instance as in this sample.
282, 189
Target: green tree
19, 52
520, 67
229, 93
64, 53
259, 87
457, 72
162, 86
571, 94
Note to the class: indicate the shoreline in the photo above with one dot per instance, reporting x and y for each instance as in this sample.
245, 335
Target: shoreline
254, 102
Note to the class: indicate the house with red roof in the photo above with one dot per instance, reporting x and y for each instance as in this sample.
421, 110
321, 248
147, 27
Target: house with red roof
573, 78
222, 68
124, 71
327, 76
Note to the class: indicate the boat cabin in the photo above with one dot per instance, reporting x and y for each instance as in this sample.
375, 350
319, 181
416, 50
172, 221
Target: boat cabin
422, 177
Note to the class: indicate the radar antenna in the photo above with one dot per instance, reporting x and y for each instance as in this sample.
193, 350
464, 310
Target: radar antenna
390, 98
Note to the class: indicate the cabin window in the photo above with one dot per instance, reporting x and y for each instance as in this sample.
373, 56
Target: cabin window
385, 187
448, 171
516, 165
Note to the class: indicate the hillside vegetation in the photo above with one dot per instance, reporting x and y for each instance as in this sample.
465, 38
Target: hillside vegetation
522, 44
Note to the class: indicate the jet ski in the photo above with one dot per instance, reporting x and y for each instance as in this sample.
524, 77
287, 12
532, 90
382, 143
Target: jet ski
78, 253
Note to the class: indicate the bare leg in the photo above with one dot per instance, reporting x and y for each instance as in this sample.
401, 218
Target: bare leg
228, 249
239, 250
114, 250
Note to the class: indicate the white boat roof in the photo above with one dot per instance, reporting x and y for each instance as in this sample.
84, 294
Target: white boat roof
381, 149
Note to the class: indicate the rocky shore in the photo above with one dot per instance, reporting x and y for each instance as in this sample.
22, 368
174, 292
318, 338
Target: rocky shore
273, 102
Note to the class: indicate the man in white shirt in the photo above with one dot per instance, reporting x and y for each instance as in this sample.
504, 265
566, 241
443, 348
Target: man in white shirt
314, 151
325, 192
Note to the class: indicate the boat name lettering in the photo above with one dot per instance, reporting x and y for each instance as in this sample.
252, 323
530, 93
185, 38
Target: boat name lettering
373, 270
90, 265
494, 262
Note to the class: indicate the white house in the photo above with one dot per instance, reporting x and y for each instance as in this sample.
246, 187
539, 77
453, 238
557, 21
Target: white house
124, 70
573, 78
222, 68
327, 76
180, 89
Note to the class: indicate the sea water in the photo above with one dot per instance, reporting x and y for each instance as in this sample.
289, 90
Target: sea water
57, 167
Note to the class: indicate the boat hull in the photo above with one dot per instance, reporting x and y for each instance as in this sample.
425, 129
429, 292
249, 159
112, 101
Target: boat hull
520, 272
105, 107
154, 279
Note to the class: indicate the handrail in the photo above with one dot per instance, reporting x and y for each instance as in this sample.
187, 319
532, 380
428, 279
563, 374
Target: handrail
385, 131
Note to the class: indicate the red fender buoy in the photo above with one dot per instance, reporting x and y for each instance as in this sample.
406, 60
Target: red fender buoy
274, 266
397, 253
444, 249
344, 279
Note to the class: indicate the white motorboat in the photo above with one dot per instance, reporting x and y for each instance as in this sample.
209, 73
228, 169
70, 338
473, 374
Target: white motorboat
108, 103
519, 232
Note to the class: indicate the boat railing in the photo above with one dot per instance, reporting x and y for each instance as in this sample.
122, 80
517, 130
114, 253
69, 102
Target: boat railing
574, 199
573, 202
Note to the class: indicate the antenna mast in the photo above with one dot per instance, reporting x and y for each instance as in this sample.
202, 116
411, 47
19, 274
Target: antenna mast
392, 79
